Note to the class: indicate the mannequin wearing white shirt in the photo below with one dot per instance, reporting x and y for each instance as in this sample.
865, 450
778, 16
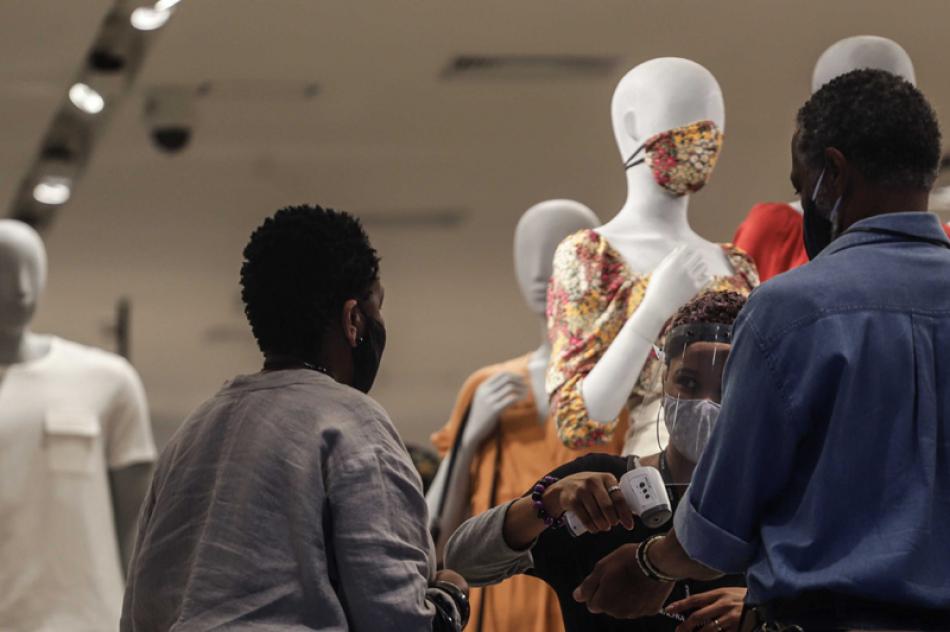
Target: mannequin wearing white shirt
539, 231
652, 230
70, 438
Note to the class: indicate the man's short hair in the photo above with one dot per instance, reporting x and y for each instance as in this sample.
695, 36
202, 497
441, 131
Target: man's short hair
882, 124
300, 266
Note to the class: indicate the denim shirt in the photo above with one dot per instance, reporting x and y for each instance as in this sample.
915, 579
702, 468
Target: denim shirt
829, 468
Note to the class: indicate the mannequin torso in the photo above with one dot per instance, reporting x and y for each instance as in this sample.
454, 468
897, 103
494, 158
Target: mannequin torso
652, 236
508, 441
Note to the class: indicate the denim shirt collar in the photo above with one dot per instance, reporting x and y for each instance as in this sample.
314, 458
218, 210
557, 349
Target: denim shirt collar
925, 225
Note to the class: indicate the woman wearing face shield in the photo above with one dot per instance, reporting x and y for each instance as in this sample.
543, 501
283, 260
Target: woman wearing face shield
526, 536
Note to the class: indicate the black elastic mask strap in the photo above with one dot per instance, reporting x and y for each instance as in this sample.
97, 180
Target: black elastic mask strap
630, 162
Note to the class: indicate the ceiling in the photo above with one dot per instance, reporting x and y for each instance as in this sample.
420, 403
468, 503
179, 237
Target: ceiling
387, 135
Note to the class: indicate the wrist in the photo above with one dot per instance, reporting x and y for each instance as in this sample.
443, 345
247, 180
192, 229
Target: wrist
647, 323
647, 564
469, 446
552, 499
554, 520
459, 596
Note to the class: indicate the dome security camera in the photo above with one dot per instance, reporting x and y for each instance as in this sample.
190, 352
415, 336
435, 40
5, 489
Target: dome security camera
170, 117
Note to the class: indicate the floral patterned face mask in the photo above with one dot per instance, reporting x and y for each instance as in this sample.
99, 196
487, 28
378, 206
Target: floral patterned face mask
682, 158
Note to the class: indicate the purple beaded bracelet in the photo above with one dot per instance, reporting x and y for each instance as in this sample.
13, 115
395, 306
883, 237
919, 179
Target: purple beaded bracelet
536, 494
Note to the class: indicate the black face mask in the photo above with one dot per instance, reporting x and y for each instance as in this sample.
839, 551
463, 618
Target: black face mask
367, 354
818, 228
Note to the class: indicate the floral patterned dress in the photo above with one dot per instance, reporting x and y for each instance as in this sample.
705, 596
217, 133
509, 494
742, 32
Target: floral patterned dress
591, 295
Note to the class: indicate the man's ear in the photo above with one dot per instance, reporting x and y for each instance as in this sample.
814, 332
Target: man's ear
352, 322
838, 171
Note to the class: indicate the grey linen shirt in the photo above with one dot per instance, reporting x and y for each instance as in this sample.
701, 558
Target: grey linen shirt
478, 552
285, 502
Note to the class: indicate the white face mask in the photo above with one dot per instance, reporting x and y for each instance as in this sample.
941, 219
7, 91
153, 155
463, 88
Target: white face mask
690, 423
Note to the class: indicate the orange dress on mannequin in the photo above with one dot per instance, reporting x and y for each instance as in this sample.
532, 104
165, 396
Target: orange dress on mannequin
529, 449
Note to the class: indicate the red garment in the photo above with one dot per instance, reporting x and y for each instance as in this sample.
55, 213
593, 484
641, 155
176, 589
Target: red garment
772, 235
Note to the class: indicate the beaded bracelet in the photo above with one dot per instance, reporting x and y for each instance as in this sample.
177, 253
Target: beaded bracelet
646, 567
536, 499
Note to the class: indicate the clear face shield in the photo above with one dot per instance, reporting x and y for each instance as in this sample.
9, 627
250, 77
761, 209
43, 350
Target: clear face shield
695, 358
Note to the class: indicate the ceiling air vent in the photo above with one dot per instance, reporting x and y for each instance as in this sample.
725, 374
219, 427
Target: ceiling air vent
529, 67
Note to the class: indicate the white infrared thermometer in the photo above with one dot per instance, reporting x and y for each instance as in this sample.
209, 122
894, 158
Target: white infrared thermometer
645, 493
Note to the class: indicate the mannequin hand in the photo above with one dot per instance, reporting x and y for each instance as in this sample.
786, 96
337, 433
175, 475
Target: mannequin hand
713, 611
678, 278
616, 586
492, 397
586, 495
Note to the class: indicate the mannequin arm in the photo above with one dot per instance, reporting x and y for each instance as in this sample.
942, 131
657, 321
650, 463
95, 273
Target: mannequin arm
679, 277
491, 397
608, 386
129, 486
456, 502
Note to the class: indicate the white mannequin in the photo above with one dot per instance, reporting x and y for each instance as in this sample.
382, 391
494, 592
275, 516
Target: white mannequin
651, 231
539, 231
853, 53
862, 51
23, 261
23, 268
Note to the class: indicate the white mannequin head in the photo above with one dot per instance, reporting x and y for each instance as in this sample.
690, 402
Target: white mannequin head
539, 231
662, 94
22, 275
862, 51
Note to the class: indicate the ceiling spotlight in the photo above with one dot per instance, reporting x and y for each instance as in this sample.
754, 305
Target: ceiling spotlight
86, 99
150, 18
52, 190
165, 5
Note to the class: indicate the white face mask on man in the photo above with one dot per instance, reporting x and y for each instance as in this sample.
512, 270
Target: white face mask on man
690, 423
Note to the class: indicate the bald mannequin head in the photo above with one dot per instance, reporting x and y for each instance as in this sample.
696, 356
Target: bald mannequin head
661, 94
862, 51
539, 231
22, 274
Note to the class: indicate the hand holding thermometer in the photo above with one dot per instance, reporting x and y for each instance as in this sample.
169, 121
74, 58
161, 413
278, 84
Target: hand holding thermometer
645, 493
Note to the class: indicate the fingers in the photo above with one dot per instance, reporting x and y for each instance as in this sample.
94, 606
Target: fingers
500, 380
626, 514
729, 622
599, 521
692, 602
599, 510
604, 501
726, 623
707, 616
506, 383
588, 587
503, 390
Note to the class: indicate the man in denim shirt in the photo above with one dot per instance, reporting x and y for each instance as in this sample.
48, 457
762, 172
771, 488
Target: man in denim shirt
827, 479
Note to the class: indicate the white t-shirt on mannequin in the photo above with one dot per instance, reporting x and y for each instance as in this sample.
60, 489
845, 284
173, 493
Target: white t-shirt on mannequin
66, 419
